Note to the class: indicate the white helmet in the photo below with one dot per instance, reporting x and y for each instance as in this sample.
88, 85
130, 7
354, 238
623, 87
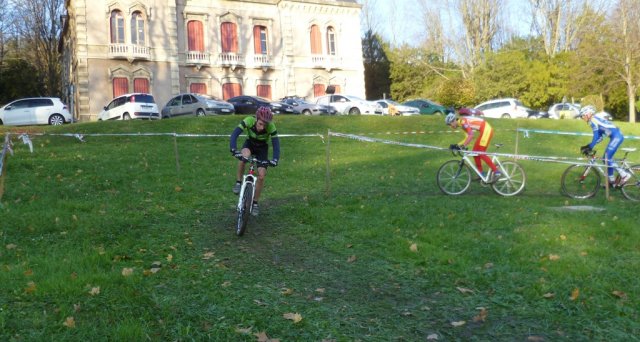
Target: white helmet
587, 110
449, 118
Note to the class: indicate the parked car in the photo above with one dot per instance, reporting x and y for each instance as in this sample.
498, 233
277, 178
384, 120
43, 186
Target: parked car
130, 106
300, 106
247, 104
390, 107
195, 104
35, 111
426, 106
504, 108
351, 105
464, 111
564, 110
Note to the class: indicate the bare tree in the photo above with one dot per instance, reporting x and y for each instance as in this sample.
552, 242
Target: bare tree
38, 24
626, 21
4, 29
481, 23
370, 21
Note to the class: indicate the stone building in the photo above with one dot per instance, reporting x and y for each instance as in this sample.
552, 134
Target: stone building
223, 48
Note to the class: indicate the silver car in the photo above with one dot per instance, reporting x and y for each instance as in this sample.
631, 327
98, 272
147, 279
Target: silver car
195, 104
303, 107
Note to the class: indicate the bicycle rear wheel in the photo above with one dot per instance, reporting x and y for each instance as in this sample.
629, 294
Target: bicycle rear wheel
580, 182
512, 181
453, 177
245, 209
631, 189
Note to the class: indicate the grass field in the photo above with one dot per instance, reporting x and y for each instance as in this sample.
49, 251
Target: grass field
130, 238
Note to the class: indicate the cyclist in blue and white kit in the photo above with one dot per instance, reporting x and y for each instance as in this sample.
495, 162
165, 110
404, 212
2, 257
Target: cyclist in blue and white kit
602, 127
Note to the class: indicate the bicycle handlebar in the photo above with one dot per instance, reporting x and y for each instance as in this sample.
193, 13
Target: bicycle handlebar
253, 159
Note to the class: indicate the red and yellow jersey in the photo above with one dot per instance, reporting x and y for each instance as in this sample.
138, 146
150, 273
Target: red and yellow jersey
469, 124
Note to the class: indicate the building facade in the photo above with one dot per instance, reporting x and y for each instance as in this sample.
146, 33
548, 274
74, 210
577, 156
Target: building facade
269, 48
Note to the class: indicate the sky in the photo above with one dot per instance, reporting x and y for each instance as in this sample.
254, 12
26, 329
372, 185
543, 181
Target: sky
400, 21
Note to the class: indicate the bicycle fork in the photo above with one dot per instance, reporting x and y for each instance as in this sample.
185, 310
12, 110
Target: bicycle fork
250, 178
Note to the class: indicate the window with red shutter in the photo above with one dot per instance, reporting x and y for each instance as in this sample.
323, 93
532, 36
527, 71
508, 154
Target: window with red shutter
120, 86
316, 40
229, 35
264, 90
318, 90
198, 88
195, 36
260, 40
230, 90
140, 85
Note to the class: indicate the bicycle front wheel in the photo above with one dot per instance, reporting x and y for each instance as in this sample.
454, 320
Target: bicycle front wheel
453, 177
512, 181
245, 209
579, 181
631, 189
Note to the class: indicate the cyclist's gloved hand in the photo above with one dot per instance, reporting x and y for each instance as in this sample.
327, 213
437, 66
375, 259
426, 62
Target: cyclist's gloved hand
586, 150
273, 162
454, 147
233, 151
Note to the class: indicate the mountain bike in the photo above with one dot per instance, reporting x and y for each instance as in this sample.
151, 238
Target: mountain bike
454, 176
247, 192
583, 181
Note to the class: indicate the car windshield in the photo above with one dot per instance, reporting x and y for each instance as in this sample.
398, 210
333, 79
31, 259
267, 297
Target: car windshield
518, 103
206, 97
262, 99
354, 98
393, 102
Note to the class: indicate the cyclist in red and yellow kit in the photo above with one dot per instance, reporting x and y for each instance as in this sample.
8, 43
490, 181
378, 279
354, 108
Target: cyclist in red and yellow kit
469, 125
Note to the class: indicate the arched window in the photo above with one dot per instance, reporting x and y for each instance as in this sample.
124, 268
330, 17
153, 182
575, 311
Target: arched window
195, 36
229, 34
137, 28
316, 40
117, 27
260, 40
331, 41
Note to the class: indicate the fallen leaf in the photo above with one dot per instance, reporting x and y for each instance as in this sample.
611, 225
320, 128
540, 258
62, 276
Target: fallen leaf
94, 291
482, 315
620, 294
554, 257
352, 258
169, 257
70, 322
286, 292
464, 290
31, 287
549, 295
563, 237
575, 293
245, 331
295, 317
178, 188
432, 337
458, 323
127, 271
208, 255
76, 307
28, 272
535, 338
413, 247
488, 265
320, 290
262, 337
226, 284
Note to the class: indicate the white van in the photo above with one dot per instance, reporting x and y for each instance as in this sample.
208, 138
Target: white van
503, 108
130, 106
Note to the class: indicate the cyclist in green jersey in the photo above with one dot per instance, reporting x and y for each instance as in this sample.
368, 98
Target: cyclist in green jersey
260, 130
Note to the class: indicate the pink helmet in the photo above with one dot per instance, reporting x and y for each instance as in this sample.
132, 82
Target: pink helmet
264, 113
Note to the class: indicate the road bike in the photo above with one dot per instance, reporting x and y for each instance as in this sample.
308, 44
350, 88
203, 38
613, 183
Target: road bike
583, 181
454, 176
247, 193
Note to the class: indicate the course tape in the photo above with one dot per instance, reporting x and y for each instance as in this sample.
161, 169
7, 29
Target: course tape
551, 159
590, 134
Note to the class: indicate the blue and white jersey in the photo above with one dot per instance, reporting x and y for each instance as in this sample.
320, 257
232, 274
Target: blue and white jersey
602, 128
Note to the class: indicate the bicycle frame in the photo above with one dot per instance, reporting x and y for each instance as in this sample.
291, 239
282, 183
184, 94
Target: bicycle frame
248, 177
602, 169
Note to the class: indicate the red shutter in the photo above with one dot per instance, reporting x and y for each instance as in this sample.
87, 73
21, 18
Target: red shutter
195, 36
230, 90
337, 88
198, 88
257, 46
318, 90
141, 85
229, 37
120, 86
264, 91
316, 46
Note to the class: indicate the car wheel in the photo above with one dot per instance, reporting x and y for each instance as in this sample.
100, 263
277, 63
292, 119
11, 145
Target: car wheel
506, 116
437, 113
199, 112
306, 112
354, 111
126, 116
56, 120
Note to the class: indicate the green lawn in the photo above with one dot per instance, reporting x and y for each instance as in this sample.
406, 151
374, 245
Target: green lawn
130, 238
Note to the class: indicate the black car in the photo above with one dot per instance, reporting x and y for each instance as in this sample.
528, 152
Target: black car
246, 104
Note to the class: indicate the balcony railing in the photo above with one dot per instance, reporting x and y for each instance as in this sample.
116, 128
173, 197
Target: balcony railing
230, 59
129, 51
198, 58
328, 62
262, 61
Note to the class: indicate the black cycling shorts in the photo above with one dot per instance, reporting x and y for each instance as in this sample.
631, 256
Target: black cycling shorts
258, 149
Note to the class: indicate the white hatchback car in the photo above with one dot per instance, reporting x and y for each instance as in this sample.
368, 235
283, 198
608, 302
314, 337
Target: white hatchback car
35, 111
390, 107
503, 108
130, 106
351, 105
